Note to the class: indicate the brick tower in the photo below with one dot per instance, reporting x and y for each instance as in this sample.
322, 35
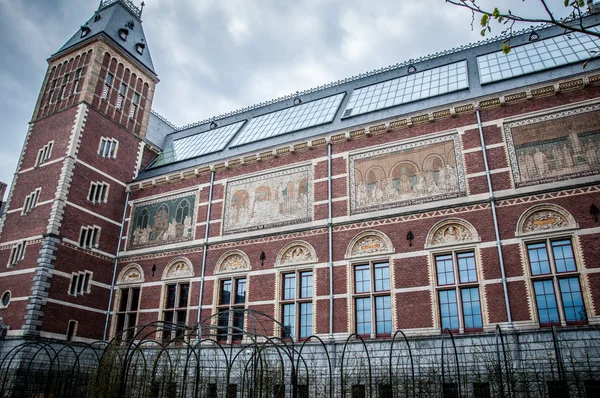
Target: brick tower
60, 233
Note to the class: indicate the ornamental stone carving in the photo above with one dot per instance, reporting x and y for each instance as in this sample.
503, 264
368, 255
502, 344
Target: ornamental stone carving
543, 218
178, 268
132, 274
369, 243
451, 232
297, 252
234, 260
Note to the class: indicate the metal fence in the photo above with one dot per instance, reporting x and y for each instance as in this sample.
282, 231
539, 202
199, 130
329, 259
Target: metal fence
202, 362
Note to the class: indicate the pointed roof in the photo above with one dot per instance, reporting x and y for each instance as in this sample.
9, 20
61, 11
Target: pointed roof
113, 17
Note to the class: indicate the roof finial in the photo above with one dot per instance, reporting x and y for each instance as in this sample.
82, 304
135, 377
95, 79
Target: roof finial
142, 8
99, 5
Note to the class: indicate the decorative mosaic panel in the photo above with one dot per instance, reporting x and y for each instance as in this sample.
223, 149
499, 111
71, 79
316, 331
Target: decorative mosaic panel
406, 174
163, 221
555, 147
269, 200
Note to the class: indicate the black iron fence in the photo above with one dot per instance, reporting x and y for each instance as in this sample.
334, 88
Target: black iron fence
204, 362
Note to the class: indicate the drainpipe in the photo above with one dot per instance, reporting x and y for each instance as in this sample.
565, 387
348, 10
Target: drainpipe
330, 228
496, 229
210, 195
112, 285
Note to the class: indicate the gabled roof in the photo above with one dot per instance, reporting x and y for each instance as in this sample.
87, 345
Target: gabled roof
111, 17
540, 54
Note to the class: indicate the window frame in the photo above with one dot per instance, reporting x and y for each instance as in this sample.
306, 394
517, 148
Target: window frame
125, 313
457, 286
89, 237
31, 201
372, 294
44, 154
108, 82
555, 276
297, 301
17, 253
108, 147
232, 309
81, 283
98, 192
175, 332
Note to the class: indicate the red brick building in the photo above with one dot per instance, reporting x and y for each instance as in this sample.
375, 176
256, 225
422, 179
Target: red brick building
457, 191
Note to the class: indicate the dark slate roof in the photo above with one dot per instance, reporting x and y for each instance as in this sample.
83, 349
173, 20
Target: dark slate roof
158, 129
116, 15
475, 89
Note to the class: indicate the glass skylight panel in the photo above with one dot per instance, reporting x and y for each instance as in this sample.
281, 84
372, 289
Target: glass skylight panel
198, 144
291, 119
412, 87
536, 56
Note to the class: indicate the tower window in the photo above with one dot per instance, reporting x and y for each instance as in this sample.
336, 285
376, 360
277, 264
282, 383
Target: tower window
134, 105
76, 80
63, 89
84, 31
121, 97
107, 85
140, 48
108, 147
123, 33
80, 283
44, 153
71, 330
98, 192
17, 253
31, 201
5, 301
89, 236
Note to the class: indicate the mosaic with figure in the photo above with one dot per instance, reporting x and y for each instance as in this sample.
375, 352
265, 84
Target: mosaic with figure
411, 173
555, 147
269, 200
162, 221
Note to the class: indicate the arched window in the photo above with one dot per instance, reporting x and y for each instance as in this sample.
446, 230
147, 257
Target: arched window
455, 269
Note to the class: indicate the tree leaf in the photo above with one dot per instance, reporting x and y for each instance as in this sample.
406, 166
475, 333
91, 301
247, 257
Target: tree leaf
485, 19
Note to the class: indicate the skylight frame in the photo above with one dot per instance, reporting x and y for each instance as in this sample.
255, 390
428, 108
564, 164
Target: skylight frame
191, 146
295, 118
559, 51
361, 100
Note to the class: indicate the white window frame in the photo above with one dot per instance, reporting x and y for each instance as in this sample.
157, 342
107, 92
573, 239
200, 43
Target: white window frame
98, 192
297, 301
44, 153
89, 237
175, 332
17, 253
134, 105
107, 86
81, 283
76, 78
31, 201
108, 147
75, 327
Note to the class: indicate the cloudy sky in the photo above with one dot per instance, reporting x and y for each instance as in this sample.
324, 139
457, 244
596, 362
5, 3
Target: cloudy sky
215, 56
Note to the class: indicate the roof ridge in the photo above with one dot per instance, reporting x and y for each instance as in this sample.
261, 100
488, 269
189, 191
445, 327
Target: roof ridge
164, 119
503, 36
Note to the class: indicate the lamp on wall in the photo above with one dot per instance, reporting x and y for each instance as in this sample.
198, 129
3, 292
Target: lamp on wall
594, 212
153, 269
262, 258
410, 237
